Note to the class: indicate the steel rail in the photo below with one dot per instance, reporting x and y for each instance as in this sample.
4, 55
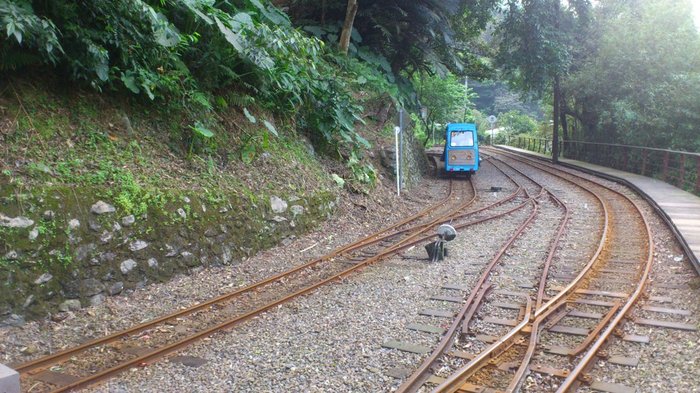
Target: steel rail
585, 361
167, 349
459, 378
65, 354
416, 379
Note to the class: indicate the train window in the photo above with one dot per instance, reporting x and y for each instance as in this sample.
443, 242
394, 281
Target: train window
461, 138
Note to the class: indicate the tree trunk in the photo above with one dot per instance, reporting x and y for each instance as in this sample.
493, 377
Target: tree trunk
347, 26
565, 130
555, 128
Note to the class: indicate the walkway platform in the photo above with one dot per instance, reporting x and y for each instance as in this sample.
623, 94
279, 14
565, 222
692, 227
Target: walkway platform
680, 209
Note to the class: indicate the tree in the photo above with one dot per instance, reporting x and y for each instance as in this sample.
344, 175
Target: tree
444, 98
640, 80
537, 38
347, 26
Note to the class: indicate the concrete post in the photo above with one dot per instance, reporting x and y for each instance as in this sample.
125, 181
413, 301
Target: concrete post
9, 380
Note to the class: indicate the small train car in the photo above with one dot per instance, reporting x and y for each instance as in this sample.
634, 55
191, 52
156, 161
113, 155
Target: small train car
461, 152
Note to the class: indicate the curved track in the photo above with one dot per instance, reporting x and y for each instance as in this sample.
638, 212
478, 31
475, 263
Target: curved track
586, 308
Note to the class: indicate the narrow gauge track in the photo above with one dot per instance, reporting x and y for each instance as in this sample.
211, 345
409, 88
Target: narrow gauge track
448, 352
104, 357
581, 315
127, 349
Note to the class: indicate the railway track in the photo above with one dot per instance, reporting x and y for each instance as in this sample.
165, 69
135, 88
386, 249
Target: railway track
581, 314
102, 358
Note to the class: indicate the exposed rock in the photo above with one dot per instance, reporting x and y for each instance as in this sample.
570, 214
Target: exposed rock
116, 227
138, 245
211, 232
107, 256
152, 263
49, 215
70, 305
101, 207
92, 286
170, 251
186, 199
97, 299
278, 205
33, 234
188, 258
12, 255
278, 219
204, 208
29, 350
73, 224
116, 288
43, 279
94, 225
297, 210
82, 252
128, 220
182, 213
105, 237
127, 266
28, 302
13, 320
17, 222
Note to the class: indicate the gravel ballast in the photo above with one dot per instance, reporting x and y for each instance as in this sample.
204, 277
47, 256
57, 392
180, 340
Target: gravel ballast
331, 340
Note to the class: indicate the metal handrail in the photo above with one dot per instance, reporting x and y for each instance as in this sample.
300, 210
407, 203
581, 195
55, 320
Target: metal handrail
679, 168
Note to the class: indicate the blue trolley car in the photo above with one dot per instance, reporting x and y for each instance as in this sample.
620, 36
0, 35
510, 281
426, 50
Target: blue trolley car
461, 152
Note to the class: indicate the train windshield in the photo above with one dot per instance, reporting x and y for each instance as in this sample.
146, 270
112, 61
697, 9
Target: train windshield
461, 139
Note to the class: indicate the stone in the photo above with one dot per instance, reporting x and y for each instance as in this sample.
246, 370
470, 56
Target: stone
49, 215
152, 263
138, 245
279, 219
43, 279
204, 208
97, 299
92, 286
17, 222
170, 251
278, 205
73, 224
12, 256
33, 234
181, 213
105, 237
211, 232
297, 210
186, 199
70, 305
188, 258
116, 227
28, 302
127, 266
101, 207
116, 288
94, 262
14, 320
82, 252
94, 225
9, 380
128, 220
107, 256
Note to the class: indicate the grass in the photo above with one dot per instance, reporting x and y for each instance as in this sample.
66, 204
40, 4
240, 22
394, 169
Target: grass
137, 153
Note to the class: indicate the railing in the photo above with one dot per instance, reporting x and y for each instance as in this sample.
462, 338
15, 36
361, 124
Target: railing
679, 168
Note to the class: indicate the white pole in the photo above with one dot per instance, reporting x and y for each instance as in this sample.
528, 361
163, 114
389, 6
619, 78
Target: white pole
397, 131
